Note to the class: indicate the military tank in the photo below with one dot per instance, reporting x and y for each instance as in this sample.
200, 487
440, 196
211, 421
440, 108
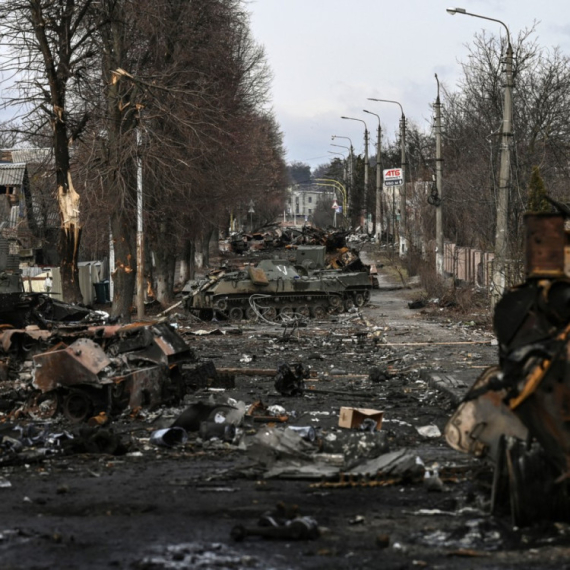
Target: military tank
277, 288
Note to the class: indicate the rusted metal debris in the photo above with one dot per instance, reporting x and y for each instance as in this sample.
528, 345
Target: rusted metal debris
518, 413
84, 371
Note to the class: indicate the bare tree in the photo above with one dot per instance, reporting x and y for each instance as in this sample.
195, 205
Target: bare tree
48, 53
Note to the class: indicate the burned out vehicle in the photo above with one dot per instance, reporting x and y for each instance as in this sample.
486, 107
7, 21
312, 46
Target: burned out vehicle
277, 288
518, 413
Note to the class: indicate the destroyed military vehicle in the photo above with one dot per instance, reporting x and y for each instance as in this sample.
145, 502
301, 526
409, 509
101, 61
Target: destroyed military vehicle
518, 413
277, 288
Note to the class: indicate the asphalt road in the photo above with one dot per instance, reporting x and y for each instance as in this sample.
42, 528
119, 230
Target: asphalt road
157, 507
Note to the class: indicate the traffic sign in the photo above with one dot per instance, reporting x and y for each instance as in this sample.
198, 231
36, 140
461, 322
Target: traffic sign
334, 205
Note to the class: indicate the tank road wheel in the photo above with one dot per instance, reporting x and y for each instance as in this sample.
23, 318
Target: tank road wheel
221, 305
236, 314
366, 295
304, 311
359, 300
250, 314
77, 406
335, 301
319, 312
348, 303
286, 311
269, 313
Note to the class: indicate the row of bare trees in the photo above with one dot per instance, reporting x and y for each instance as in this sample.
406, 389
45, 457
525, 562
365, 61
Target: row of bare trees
472, 112
175, 87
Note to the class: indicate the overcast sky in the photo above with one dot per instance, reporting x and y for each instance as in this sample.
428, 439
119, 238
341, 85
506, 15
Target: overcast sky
329, 56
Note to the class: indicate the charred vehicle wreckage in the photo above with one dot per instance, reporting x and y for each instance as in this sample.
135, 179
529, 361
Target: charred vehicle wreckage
279, 288
518, 413
100, 370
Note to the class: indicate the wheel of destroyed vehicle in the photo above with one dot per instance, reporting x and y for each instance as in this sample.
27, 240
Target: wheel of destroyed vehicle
269, 313
348, 303
236, 314
366, 295
251, 314
221, 304
319, 312
286, 311
77, 406
304, 311
359, 299
335, 301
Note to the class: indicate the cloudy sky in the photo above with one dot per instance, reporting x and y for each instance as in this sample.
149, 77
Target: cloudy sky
329, 56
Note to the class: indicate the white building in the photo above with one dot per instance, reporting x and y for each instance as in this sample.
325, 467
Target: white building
303, 200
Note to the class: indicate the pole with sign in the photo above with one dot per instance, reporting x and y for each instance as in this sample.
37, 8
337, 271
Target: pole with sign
394, 178
335, 208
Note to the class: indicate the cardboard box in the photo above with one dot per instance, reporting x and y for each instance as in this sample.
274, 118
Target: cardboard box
353, 417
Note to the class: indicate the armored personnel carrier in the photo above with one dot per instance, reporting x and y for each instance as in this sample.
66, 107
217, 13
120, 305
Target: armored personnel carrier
277, 288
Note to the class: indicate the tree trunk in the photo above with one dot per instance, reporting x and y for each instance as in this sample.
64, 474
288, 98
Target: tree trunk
206, 247
125, 270
190, 254
164, 277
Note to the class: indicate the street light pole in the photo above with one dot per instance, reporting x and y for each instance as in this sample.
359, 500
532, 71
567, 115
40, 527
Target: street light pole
364, 197
345, 166
351, 164
404, 166
378, 209
439, 244
501, 232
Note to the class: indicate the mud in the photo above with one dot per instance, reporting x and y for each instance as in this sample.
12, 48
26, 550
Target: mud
157, 507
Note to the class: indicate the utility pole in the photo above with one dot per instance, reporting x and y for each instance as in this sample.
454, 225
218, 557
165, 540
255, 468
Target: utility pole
501, 235
403, 201
499, 284
378, 201
140, 235
404, 166
439, 245
363, 216
350, 169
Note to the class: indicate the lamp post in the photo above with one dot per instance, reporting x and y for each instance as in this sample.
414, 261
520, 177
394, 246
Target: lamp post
378, 209
346, 161
404, 165
439, 245
501, 231
350, 162
364, 197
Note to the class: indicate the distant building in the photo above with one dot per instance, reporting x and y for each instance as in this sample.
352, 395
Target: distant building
28, 202
302, 200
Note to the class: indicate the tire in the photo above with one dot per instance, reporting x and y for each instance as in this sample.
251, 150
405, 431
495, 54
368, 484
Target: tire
319, 312
359, 300
77, 406
366, 295
250, 314
221, 304
286, 311
335, 301
304, 311
236, 314
348, 303
269, 313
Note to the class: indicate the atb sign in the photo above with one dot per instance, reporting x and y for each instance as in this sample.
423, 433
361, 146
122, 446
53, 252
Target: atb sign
393, 177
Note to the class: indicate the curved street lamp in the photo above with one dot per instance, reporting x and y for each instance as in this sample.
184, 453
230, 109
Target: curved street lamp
378, 210
364, 221
350, 161
404, 166
501, 232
